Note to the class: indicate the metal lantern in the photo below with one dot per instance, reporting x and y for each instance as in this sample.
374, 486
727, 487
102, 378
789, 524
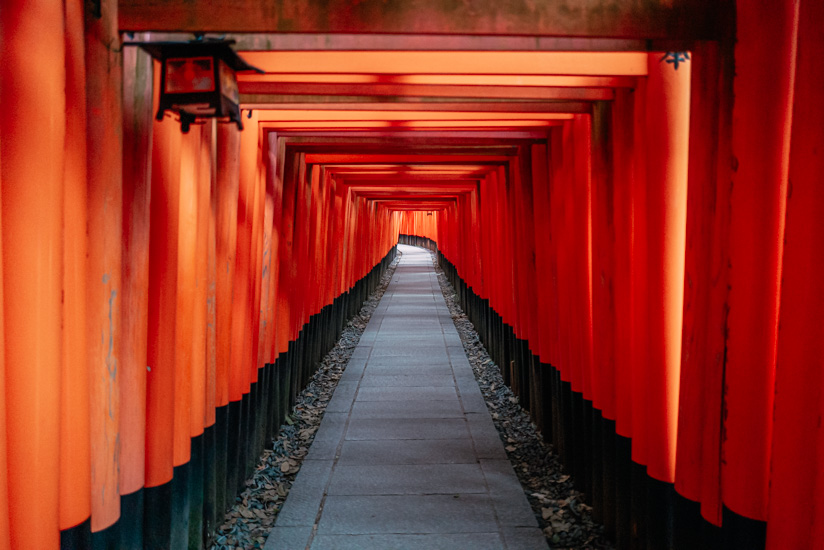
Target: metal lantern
197, 79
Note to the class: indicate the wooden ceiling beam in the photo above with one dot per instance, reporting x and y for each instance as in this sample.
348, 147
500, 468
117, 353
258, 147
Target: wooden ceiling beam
650, 19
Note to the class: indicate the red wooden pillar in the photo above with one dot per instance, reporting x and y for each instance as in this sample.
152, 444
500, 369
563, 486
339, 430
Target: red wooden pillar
555, 154
515, 178
5, 535
698, 468
239, 376
329, 239
308, 186
639, 314
199, 364
504, 245
185, 294
104, 75
543, 252
275, 188
163, 258
623, 173
582, 254
529, 302
667, 146
250, 168
561, 199
475, 240
257, 257
291, 171
75, 443
137, 146
212, 381
33, 125
226, 188
314, 279
267, 296
603, 260
493, 216
764, 69
796, 507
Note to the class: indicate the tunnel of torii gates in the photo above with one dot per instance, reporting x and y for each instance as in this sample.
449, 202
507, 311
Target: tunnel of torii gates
626, 196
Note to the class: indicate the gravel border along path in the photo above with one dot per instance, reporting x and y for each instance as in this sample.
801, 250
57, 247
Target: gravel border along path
247, 523
560, 510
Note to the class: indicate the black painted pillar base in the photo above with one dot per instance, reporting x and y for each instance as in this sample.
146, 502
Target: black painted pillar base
157, 517
78, 537
131, 520
180, 507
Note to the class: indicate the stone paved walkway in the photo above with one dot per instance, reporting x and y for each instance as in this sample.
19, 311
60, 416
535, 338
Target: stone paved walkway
406, 455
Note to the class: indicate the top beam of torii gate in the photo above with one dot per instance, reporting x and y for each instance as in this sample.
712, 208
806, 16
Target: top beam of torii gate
647, 19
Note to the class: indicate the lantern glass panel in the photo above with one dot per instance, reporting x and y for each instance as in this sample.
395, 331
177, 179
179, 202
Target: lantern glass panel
186, 75
228, 83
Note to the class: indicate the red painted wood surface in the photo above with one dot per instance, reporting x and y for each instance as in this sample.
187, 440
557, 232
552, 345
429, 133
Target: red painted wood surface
227, 175
796, 507
623, 291
667, 135
705, 290
214, 384
75, 441
766, 38
163, 258
199, 363
5, 534
5, 531
137, 192
639, 312
33, 125
604, 318
104, 290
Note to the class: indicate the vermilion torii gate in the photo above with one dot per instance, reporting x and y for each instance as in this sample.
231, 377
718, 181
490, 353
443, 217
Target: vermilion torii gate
626, 195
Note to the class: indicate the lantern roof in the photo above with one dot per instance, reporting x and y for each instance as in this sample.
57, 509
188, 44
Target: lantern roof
220, 48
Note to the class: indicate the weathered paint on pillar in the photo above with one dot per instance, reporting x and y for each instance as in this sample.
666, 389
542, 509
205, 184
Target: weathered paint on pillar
137, 148
33, 125
104, 154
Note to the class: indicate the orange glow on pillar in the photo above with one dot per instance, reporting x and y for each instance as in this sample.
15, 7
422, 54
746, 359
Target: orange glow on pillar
667, 148
33, 123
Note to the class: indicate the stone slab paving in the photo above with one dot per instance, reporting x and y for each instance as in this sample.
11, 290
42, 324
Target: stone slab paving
407, 455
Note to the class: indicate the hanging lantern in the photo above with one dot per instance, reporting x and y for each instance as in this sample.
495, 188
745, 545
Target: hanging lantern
198, 79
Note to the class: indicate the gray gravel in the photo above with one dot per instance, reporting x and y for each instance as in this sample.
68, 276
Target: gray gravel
560, 509
247, 524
